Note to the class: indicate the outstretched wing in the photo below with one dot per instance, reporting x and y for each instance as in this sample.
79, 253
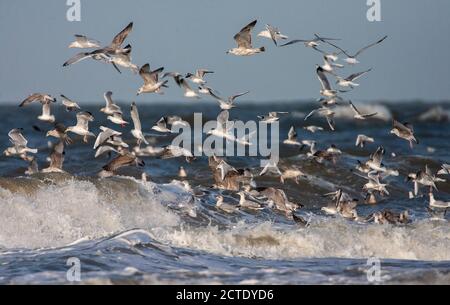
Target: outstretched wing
244, 37
120, 38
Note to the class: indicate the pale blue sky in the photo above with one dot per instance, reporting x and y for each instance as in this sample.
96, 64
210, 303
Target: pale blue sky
183, 35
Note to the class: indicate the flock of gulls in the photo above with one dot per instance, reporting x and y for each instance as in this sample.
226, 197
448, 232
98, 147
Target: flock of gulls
226, 177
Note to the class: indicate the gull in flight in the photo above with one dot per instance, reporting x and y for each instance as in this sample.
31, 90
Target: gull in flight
225, 168
120, 161
244, 42
351, 59
83, 42
374, 184
59, 132
404, 131
110, 107
56, 159
313, 128
137, 130
425, 178
329, 65
172, 151
272, 117
271, 167
224, 126
312, 43
361, 140
117, 118
82, 126
69, 104
326, 90
151, 83
348, 81
229, 102
292, 138
105, 54
188, 91
197, 78
273, 33
46, 101
123, 59
20, 147
325, 112
173, 121
358, 114
105, 134
279, 198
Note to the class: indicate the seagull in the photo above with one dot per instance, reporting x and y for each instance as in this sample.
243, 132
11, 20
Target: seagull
69, 104
56, 159
120, 161
325, 112
326, 90
348, 81
124, 60
404, 131
272, 167
103, 149
117, 141
358, 115
361, 140
188, 92
161, 126
445, 169
105, 54
137, 131
244, 42
292, 138
82, 126
172, 151
83, 42
226, 207
292, 173
351, 59
224, 127
105, 134
151, 83
175, 75
425, 178
329, 65
226, 104
374, 184
248, 204
45, 100
197, 78
110, 107
313, 128
272, 117
59, 132
20, 147
272, 33
117, 118
312, 43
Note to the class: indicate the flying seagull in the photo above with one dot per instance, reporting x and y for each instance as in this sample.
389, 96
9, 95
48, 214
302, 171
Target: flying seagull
229, 102
69, 104
83, 42
244, 42
137, 131
404, 131
197, 78
151, 83
348, 81
361, 140
20, 147
273, 33
188, 91
120, 161
105, 54
358, 114
59, 132
82, 126
45, 100
351, 59
110, 107
311, 43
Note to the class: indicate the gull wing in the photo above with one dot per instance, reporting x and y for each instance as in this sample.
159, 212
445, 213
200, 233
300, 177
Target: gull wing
244, 37
120, 38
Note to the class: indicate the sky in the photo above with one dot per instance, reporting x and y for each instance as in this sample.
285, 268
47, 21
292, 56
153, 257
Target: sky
413, 63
